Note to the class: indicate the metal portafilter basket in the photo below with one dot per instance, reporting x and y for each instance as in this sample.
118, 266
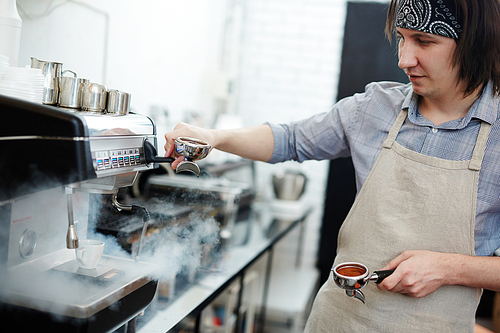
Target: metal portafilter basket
352, 276
192, 149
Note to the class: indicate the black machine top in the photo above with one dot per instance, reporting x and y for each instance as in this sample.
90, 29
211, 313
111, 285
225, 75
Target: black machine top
44, 146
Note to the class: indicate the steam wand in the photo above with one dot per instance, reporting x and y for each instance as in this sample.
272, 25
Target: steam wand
134, 209
71, 236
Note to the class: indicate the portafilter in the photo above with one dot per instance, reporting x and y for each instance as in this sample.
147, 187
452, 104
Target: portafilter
352, 276
192, 149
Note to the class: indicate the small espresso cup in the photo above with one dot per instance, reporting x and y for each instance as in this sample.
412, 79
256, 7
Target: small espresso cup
88, 253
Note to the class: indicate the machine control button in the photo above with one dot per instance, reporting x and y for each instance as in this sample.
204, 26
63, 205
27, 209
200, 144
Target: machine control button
118, 158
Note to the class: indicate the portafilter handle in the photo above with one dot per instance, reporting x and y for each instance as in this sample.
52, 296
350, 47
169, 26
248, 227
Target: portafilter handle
151, 157
379, 276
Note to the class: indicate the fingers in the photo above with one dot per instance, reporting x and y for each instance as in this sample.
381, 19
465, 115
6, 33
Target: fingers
401, 282
416, 274
392, 282
169, 145
175, 163
413, 290
181, 129
170, 138
170, 150
398, 260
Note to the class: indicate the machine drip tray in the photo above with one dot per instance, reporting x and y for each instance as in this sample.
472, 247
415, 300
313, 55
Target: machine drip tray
100, 273
68, 290
65, 298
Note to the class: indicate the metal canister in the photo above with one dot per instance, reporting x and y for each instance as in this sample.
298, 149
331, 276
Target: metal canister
70, 93
118, 102
94, 97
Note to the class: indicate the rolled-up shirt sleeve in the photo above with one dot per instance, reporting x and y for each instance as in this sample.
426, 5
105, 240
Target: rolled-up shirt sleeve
322, 136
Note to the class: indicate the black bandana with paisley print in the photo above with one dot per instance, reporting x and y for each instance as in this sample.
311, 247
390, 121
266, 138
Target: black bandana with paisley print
437, 17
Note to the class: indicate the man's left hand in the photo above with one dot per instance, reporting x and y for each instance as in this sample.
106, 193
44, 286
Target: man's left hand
417, 273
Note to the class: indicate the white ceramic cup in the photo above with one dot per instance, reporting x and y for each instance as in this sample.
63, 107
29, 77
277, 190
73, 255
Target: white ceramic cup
88, 253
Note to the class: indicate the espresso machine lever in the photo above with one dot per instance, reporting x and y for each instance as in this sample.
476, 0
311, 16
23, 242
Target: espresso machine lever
71, 236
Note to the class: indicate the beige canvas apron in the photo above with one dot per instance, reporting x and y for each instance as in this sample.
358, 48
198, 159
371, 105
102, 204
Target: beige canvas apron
409, 201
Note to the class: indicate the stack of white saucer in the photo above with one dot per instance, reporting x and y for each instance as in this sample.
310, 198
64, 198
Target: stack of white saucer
4, 64
23, 83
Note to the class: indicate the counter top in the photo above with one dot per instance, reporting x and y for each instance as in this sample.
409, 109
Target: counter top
259, 233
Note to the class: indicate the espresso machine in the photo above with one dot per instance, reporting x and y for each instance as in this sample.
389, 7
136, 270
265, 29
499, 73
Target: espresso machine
52, 161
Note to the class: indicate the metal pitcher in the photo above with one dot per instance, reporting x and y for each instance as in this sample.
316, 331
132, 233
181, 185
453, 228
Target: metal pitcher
94, 97
70, 93
52, 73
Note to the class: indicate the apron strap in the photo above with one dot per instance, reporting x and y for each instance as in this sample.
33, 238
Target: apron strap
393, 132
478, 153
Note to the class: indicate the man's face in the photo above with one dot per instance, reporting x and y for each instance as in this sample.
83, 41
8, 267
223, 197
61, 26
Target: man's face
427, 59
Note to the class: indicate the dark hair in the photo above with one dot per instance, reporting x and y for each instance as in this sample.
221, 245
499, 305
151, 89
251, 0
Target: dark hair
478, 47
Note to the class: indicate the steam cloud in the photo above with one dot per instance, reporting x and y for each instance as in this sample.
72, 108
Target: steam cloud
174, 248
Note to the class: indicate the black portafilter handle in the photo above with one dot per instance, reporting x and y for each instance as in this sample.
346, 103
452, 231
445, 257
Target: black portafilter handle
150, 154
381, 275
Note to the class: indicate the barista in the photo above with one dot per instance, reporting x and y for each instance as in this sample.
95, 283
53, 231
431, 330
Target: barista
426, 156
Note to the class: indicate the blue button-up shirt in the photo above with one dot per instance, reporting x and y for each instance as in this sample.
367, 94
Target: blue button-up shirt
358, 125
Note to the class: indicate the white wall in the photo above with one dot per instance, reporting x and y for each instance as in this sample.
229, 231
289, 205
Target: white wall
157, 50
290, 67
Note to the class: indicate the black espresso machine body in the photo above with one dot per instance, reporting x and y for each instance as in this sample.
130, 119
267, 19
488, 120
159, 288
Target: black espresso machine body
44, 146
49, 155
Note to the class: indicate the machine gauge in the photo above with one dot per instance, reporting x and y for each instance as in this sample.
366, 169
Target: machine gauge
27, 243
